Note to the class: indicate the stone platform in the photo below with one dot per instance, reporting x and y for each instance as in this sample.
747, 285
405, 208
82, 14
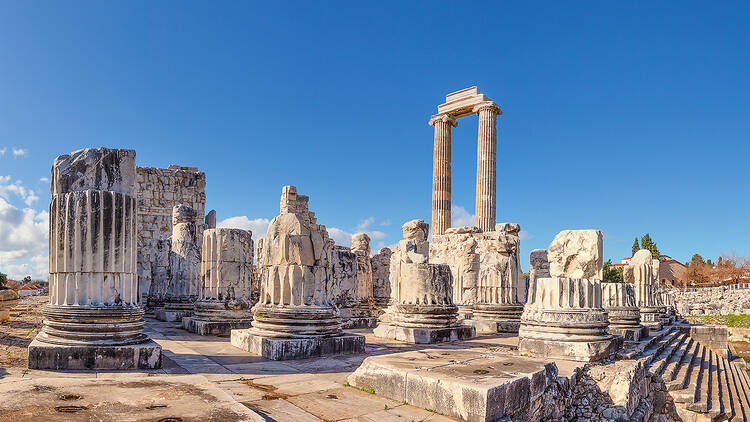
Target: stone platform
172, 315
472, 385
145, 355
484, 326
216, 328
425, 335
276, 348
583, 351
629, 334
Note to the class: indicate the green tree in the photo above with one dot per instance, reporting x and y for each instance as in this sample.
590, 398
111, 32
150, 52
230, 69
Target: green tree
27, 279
3, 280
636, 246
611, 275
650, 245
697, 259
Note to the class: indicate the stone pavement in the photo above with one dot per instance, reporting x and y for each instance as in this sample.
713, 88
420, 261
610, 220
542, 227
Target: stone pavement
206, 378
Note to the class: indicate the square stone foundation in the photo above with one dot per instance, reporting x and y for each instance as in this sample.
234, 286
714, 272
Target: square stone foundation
362, 322
171, 315
629, 334
471, 385
581, 351
56, 356
275, 348
214, 328
484, 326
425, 335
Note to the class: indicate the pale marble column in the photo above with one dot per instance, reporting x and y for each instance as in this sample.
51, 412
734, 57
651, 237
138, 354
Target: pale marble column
92, 250
441, 173
486, 199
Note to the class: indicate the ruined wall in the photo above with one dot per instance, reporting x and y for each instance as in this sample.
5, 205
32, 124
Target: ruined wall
723, 300
158, 191
381, 273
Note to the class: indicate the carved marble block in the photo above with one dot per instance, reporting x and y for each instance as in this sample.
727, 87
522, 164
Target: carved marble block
225, 296
8, 299
422, 308
564, 316
640, 273
94, 319
294, 317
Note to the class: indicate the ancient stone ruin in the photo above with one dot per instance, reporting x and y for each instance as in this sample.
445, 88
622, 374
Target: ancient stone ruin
225, 295
639, 273
422, 308
564, 317
8, 299
94, 319
294, 317
183, 281
458, 104
624, 316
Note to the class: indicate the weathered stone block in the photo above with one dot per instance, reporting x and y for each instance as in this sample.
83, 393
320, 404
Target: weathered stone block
145, 355
425, 335
276, 348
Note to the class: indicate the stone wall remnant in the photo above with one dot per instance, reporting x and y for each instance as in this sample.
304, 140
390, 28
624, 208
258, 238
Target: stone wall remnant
159, 190
381, 283
624, 316
94, 319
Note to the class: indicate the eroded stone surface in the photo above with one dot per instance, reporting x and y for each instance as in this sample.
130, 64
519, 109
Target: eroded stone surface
576, 254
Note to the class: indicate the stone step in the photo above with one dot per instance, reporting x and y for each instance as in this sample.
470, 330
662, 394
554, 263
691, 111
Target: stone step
685, 391
647, 347
661, 360
701, 399
728, 397
683, 370
674, 363
715, 405
743, 387
737, 393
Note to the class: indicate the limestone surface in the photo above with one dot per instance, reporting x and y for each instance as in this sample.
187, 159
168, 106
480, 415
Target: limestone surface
576, 254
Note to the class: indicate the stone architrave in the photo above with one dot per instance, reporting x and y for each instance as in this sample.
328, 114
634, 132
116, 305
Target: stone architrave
225, 297
381, 283
183, 283
639, 272
564, 317
486, 274
94, 319
458, 104
624, 316
294, 317
8, 299
422, 308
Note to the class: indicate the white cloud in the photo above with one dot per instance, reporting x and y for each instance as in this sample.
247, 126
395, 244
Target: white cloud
364, 224
258, 226
17, 152
30, 198
341, 237
44, 179
386, 223
23, 241
524, 235
461, 217
16, 188
2, 151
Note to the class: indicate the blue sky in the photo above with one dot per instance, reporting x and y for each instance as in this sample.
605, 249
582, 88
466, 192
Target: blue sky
629, 118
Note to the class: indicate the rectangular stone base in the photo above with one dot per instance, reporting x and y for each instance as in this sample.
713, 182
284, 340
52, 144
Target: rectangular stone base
171, 316
581, 351
471, 385
362, 322
297, 348
55, 356
484, 326
425, 335
652, 325
214, 328
630, 334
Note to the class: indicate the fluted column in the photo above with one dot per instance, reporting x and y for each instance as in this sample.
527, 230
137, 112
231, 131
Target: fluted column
441, 173
486, 199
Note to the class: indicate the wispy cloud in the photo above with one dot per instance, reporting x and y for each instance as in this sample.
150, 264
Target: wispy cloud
259, 226
17, 152
365, 223
524, 235
3, 150
386, 223
23, 241
44, 179
461, 217
8, 188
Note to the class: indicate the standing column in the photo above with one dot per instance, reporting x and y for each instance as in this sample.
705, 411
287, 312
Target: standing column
486, 201
441, 173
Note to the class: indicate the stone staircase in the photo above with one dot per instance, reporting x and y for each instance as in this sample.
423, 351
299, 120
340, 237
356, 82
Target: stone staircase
705, 385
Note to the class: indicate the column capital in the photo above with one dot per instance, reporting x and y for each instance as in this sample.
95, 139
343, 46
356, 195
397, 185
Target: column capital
443, 118
485, 105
